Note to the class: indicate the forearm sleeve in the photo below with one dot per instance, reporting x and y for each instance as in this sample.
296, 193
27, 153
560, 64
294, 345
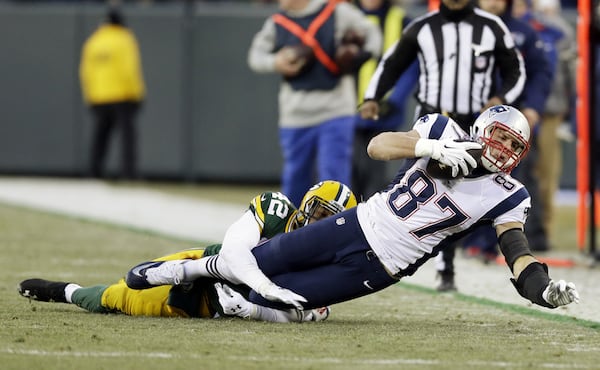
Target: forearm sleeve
513, 244
531, 283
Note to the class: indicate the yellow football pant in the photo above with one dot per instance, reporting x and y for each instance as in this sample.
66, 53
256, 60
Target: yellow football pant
146, 302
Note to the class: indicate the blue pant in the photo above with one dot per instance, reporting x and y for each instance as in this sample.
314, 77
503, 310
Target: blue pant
326, 148
327, 262
484, 237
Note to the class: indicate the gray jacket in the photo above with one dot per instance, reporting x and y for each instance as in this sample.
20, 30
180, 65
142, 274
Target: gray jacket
310, 108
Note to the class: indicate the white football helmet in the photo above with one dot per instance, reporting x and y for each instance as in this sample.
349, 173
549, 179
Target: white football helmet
504, 133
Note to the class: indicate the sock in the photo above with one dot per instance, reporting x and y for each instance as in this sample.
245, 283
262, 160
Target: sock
90, 298
440, 265
269, 314
211, 266
69, 289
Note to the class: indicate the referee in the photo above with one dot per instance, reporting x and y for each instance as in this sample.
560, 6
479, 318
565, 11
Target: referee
458, 48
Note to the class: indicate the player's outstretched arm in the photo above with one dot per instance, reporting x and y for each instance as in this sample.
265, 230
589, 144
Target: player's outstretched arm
236, 253
399, 145
391, 145
531, 277
234, 304
235, 262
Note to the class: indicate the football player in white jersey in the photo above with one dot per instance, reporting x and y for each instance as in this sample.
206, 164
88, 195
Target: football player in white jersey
389, 236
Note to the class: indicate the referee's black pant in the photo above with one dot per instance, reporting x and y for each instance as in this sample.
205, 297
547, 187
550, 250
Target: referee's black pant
368, 175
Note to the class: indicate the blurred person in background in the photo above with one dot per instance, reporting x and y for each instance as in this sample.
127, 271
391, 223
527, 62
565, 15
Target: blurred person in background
482, 242
368, 175
531, 102
113, 87
558, 37
317, 99
458, 47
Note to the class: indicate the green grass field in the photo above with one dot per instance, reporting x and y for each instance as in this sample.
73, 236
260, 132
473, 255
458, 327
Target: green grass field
403, 327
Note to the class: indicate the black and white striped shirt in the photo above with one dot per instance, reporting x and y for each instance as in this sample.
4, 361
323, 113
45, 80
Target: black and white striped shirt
458, 53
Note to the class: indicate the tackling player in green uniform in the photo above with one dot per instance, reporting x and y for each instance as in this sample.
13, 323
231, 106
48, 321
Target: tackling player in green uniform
272, 213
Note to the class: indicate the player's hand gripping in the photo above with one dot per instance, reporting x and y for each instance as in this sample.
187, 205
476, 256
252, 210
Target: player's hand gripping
449, 152
273, 292
232, 302
560, 293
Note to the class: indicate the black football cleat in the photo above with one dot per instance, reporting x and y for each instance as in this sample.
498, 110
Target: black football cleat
446, 283
136, 277
43, 290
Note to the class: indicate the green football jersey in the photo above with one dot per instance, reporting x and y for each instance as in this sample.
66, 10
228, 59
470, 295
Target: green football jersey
273, 212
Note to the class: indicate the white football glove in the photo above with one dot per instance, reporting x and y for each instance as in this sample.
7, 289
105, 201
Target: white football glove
232, 302
449, 152
560, 293
273, 292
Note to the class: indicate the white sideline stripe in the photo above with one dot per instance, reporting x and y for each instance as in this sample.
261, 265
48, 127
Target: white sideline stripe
35, 352
326, 360
137, 208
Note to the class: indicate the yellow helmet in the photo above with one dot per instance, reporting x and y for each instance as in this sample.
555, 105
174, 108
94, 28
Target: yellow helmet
323, 199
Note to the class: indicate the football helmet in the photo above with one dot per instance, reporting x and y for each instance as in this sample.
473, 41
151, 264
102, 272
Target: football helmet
323, 199
504, 134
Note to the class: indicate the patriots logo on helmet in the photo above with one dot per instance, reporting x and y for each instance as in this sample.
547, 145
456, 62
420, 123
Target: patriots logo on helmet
498, 109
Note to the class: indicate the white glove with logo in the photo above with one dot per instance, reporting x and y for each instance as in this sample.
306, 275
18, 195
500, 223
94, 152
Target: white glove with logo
232, 302
273, 292
449, 152
560, 293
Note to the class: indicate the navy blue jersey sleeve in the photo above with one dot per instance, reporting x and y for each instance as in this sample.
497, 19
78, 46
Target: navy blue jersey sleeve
539, 72
399, 61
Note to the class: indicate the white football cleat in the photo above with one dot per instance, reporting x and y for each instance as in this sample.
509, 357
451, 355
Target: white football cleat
166, 273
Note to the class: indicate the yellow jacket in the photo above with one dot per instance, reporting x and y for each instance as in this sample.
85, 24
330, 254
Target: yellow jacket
110, 70
392, 30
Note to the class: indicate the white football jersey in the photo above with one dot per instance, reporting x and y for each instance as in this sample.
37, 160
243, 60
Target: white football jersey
418, 215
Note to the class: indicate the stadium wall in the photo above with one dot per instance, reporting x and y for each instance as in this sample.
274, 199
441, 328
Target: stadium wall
206, 116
